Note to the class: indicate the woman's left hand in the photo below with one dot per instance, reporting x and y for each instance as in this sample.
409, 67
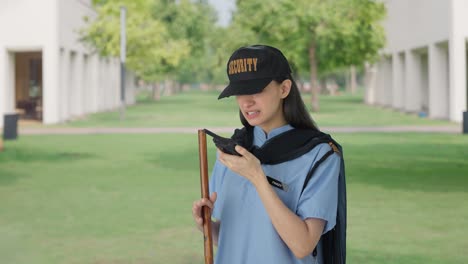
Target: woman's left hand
247, 165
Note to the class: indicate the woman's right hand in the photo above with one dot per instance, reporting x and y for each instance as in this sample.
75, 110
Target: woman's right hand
197, 209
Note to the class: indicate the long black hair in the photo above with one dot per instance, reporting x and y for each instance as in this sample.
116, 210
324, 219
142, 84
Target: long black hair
294, 109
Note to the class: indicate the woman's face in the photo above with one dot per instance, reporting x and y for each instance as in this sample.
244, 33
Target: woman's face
265, 109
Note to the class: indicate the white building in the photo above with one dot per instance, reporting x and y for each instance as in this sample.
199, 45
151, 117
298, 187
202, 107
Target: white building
424, 65
45, 72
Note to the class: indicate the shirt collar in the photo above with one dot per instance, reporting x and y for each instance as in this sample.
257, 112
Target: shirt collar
260, 137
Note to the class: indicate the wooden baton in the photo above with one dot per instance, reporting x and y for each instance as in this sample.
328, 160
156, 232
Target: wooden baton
206, 211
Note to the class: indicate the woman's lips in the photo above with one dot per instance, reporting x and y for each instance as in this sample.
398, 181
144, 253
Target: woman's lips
252, 114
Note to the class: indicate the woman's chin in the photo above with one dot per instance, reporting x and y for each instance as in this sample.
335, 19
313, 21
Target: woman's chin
252, 122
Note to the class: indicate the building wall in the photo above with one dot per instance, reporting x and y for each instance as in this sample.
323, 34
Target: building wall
427, 43
75, 81
25, 26
71, 14
415, 23
458, 59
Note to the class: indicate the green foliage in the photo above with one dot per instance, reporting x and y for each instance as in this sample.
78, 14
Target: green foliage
223, 43
180, 39
193, 22
354, 37
345, 32
150, 49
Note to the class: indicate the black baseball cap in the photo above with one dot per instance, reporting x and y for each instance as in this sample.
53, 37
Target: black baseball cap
250, 69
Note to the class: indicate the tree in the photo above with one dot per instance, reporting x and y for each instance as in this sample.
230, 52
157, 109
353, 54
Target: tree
150, 49
224, 41
171, 40
194, 22
333, 33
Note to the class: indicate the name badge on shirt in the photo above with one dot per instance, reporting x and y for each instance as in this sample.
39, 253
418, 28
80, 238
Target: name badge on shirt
278, 184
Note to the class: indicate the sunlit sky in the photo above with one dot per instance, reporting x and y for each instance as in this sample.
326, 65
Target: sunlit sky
224, 8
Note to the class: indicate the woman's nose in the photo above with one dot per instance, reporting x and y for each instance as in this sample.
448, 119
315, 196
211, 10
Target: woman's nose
245, 100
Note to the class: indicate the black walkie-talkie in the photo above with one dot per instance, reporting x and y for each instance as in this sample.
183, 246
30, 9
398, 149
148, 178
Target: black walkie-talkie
226, 145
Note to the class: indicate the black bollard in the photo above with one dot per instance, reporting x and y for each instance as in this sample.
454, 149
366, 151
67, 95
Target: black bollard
465, 122
10, 126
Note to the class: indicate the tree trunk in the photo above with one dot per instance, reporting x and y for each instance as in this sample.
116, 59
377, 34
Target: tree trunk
168, 87
313, 78
322, 85
370, 83
178, 87
348, 81
353, 80
156, 91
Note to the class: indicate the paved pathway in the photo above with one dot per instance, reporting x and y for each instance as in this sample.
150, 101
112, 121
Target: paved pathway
189, 130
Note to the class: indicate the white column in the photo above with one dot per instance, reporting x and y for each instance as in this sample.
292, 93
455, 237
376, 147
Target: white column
105, 84
10, 104
107, 81
129, 88
72, 88
112, 82
413, 88
457, 60
50, 64
388, 82
94, 82
424, 81
398, 81
438, 82
102, 86
7, 83
380, 82
3, 82
51, 84
370, 83
7, 64
116, 82
86, 85
78, 85
64, 84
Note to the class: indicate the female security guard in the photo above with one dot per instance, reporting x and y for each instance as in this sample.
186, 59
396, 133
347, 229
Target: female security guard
270, 213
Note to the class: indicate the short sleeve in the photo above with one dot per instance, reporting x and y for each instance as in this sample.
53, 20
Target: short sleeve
320, 197
215, 185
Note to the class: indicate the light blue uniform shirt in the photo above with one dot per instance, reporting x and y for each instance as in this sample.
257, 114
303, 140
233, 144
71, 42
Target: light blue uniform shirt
246, 234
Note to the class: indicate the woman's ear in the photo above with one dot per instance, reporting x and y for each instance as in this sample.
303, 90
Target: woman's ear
285, 88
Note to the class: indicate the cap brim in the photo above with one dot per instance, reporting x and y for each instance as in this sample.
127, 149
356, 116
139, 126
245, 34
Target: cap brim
245, 87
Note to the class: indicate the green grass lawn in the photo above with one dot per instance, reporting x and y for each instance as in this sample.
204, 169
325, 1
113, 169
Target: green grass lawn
202, 109
127, 198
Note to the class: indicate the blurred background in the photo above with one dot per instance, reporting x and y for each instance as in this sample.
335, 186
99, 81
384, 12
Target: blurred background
100, 102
